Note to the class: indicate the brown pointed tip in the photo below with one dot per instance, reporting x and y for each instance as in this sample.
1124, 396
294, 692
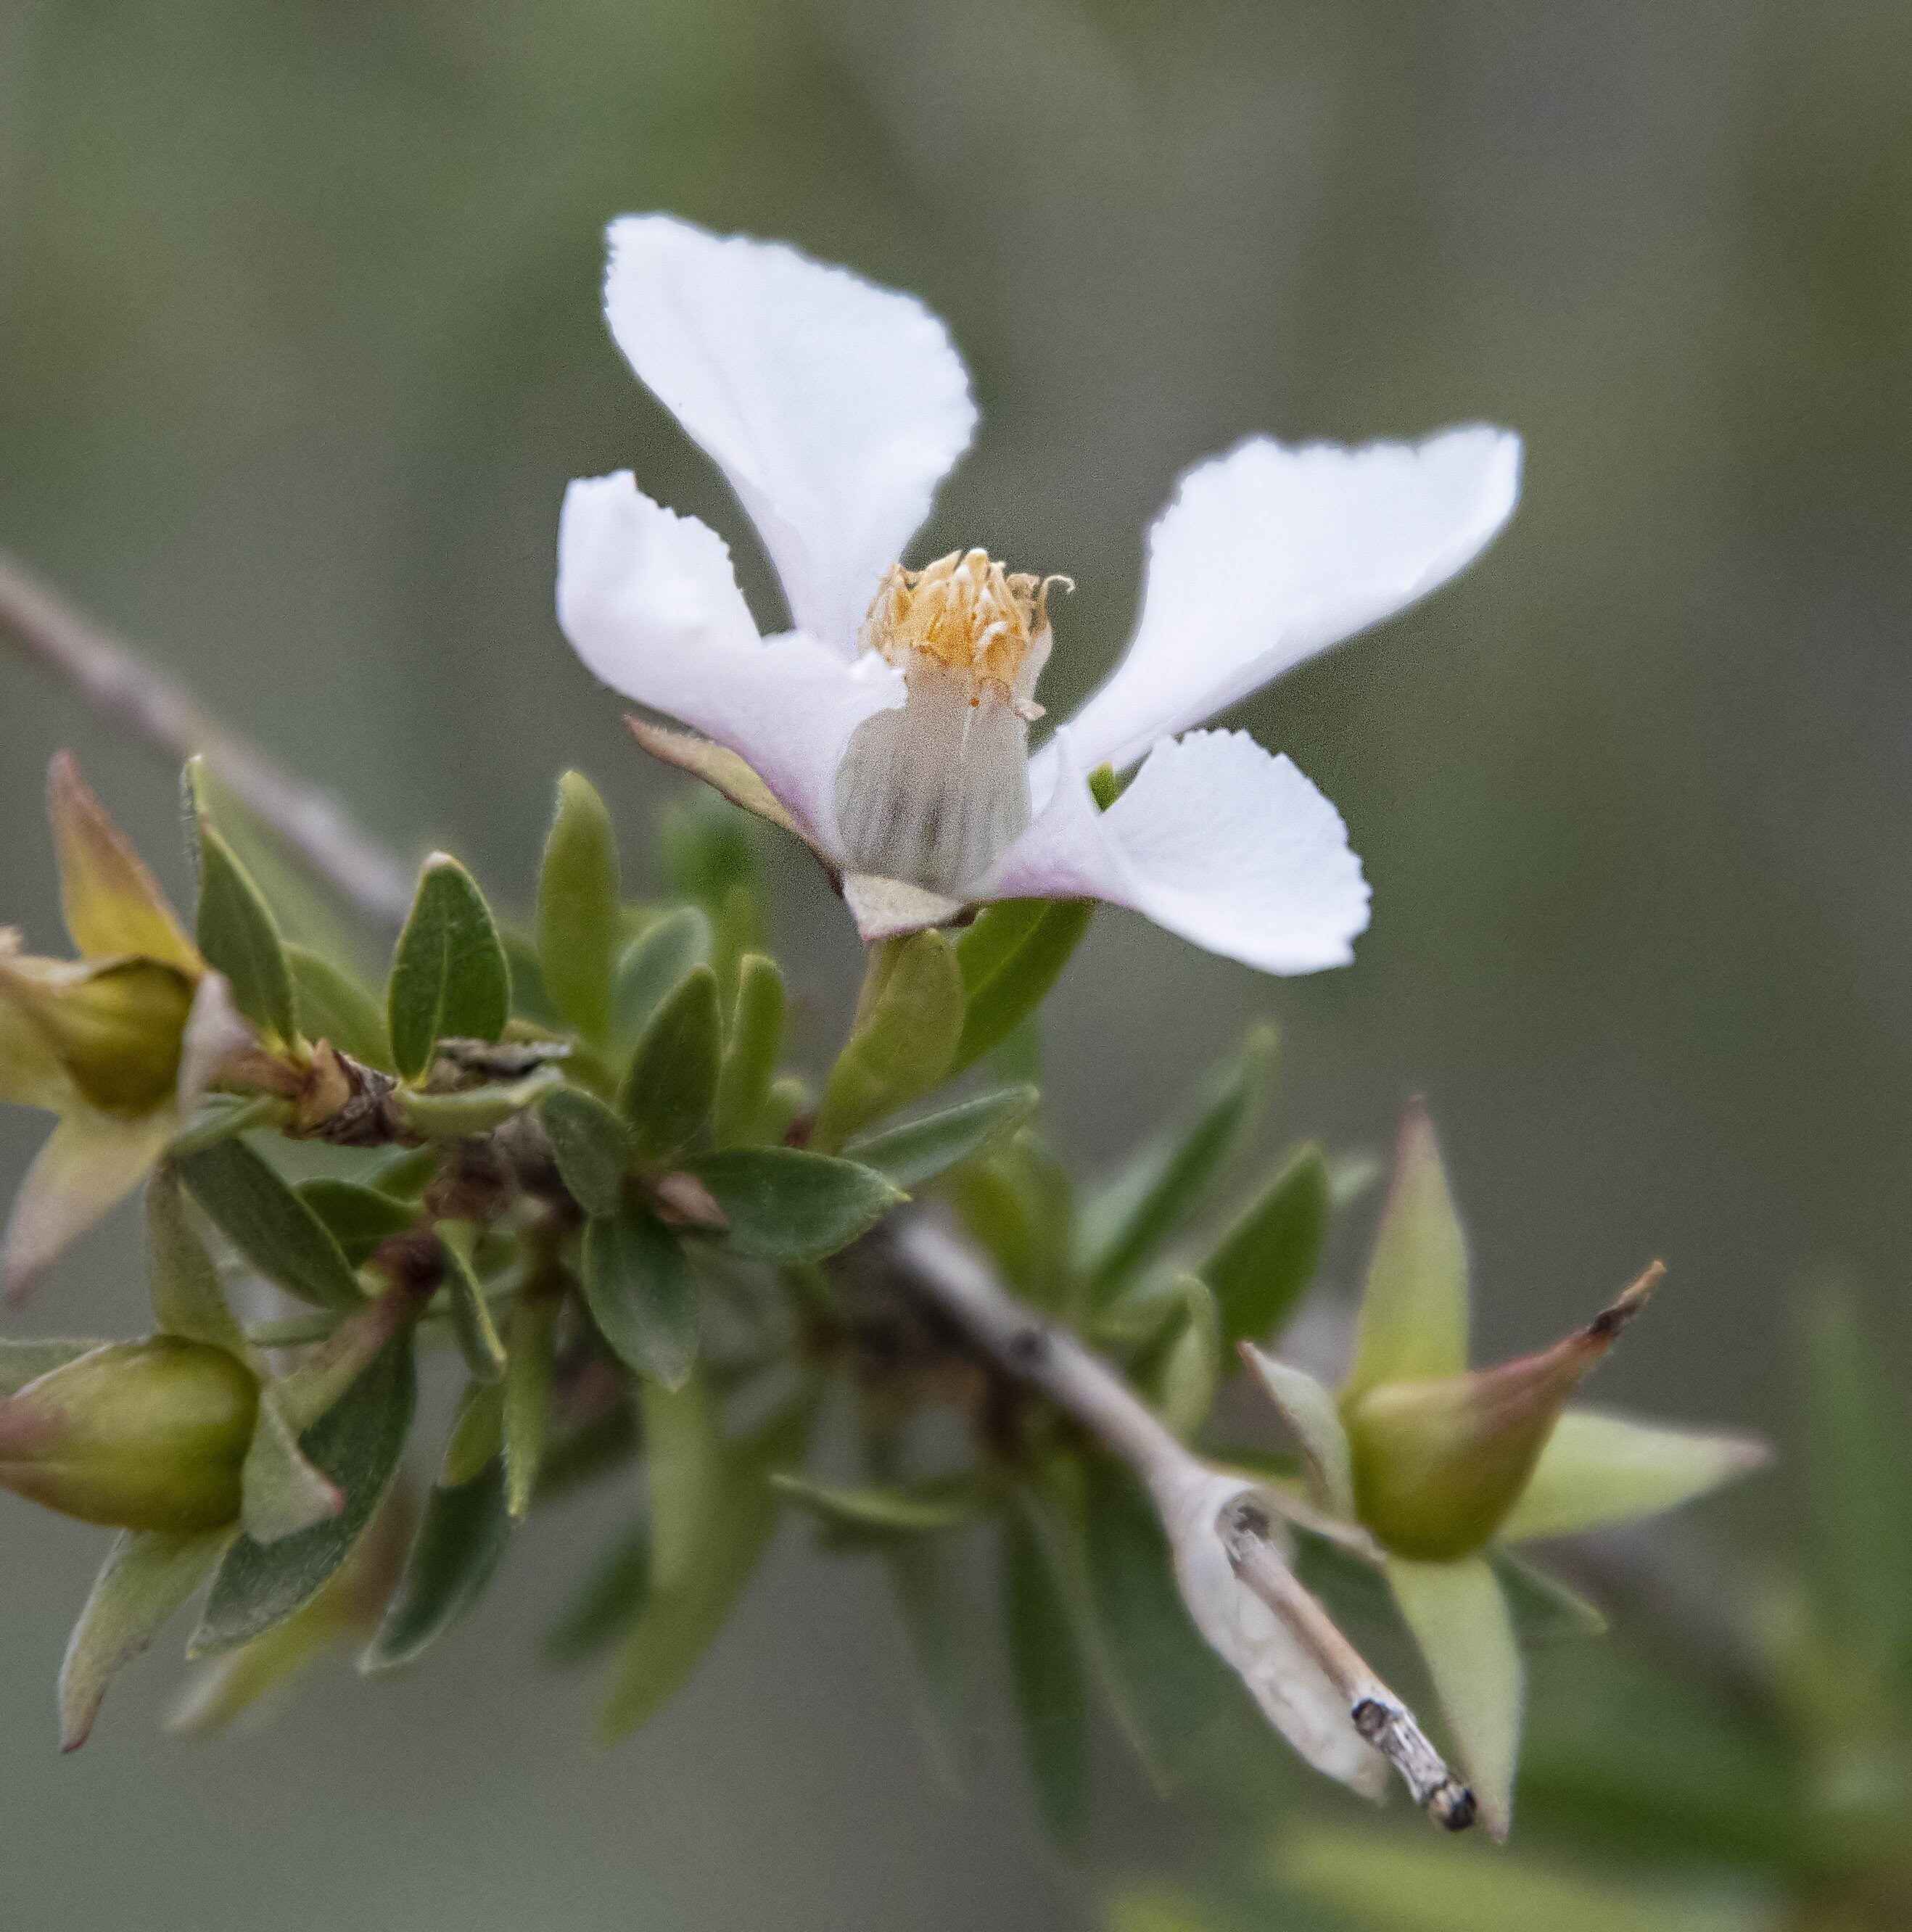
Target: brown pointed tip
1607, 1324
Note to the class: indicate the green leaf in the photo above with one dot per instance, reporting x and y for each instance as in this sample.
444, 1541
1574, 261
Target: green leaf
1264, 1263
750, 1055
449, 977
1146, 1205
1188, 1371
530, 1356
473, 1110
478, 1433
590, 1144
184, 1284
782, 1204
1010, 957
671, 1085
484, 1353
330, 1006
698, 1578
1017, 1204
460, 1542
1459, 1620
1398, 1884
1314, 1419
1599, 1468
280, 1492
358, 1218
1857, 1463
275, 1230
1544, 1609
356, 1444
1046, 1674
908, 1509
903, 1040
239, 936
1413, 1322
924, 1589
578, 907
920, 1150
654, 963
220, 1116
641, 1294
26, 1361
608, 1603
147, 1576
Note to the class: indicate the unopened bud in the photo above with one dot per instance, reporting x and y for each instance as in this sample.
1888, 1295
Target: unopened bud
133, 1435
116, 1026
1439, 1464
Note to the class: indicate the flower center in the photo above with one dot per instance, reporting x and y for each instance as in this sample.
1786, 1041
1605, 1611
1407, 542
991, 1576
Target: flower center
934, 792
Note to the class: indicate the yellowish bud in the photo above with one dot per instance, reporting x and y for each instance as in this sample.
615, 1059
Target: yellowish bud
134, 1434
116, 1025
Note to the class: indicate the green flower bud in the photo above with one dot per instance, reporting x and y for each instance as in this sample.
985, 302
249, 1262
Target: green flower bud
1439, 1464
135, 1435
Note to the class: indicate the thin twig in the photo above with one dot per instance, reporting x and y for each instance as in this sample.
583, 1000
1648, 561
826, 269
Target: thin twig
47, 630
951, 1278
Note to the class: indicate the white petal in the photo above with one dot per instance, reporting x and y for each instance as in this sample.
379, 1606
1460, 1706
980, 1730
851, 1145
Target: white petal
1269, 554
649, 602
1292, 1690
1216, 839
834, 407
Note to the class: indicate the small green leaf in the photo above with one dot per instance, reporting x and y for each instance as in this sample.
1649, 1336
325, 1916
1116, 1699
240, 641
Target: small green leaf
275, 1230
671, 1085
478, 1433
459, 1543
330, 1007
148, 1575
578, 907
356, 1444
239, 936
641, 1294
484, 1353
530, 1355
1544, 1608
1264, 1263
903, 1040
1010, 957
750, 1055
935, 1503
220, 1116
184, 1284
1598, 1469
1017, 1204
358, 1218
1413, 1323
608, 1603
652, 963
782, 1204
473, 1110
1189, 1370
590, 1144
26, 1361
1046, 1673
449, 977
929, 1607
1459, 1620
1137, 1215
1314, 1419
920, 1150
280, 1492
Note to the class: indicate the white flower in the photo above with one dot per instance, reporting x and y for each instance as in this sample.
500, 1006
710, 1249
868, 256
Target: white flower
890, 723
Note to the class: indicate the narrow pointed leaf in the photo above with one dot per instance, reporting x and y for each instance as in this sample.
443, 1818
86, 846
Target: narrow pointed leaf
1010, 957
183, 1283
671, 1085
1459, 1622
474, 1110
330, 1006
577, 907
148, 1575
1309, 1412
782, 1204
750, 1053
1162, 1188
591, 1145
1189, 1370
1050, 1684
530, 1356
652, 963
281, 1492
356, 1444
449, 976
1545, 1609
1413, 1323
240, 938
1263, 1265
276, 1231
478, 1340
904, 1509
903, 1041
461, 1538
920, 1150
1599, 1468
641, 1294
358, 1218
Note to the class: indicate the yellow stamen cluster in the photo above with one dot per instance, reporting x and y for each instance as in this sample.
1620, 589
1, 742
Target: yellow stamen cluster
968, 615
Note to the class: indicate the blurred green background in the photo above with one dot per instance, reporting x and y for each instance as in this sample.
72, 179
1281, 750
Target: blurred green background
298, 345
